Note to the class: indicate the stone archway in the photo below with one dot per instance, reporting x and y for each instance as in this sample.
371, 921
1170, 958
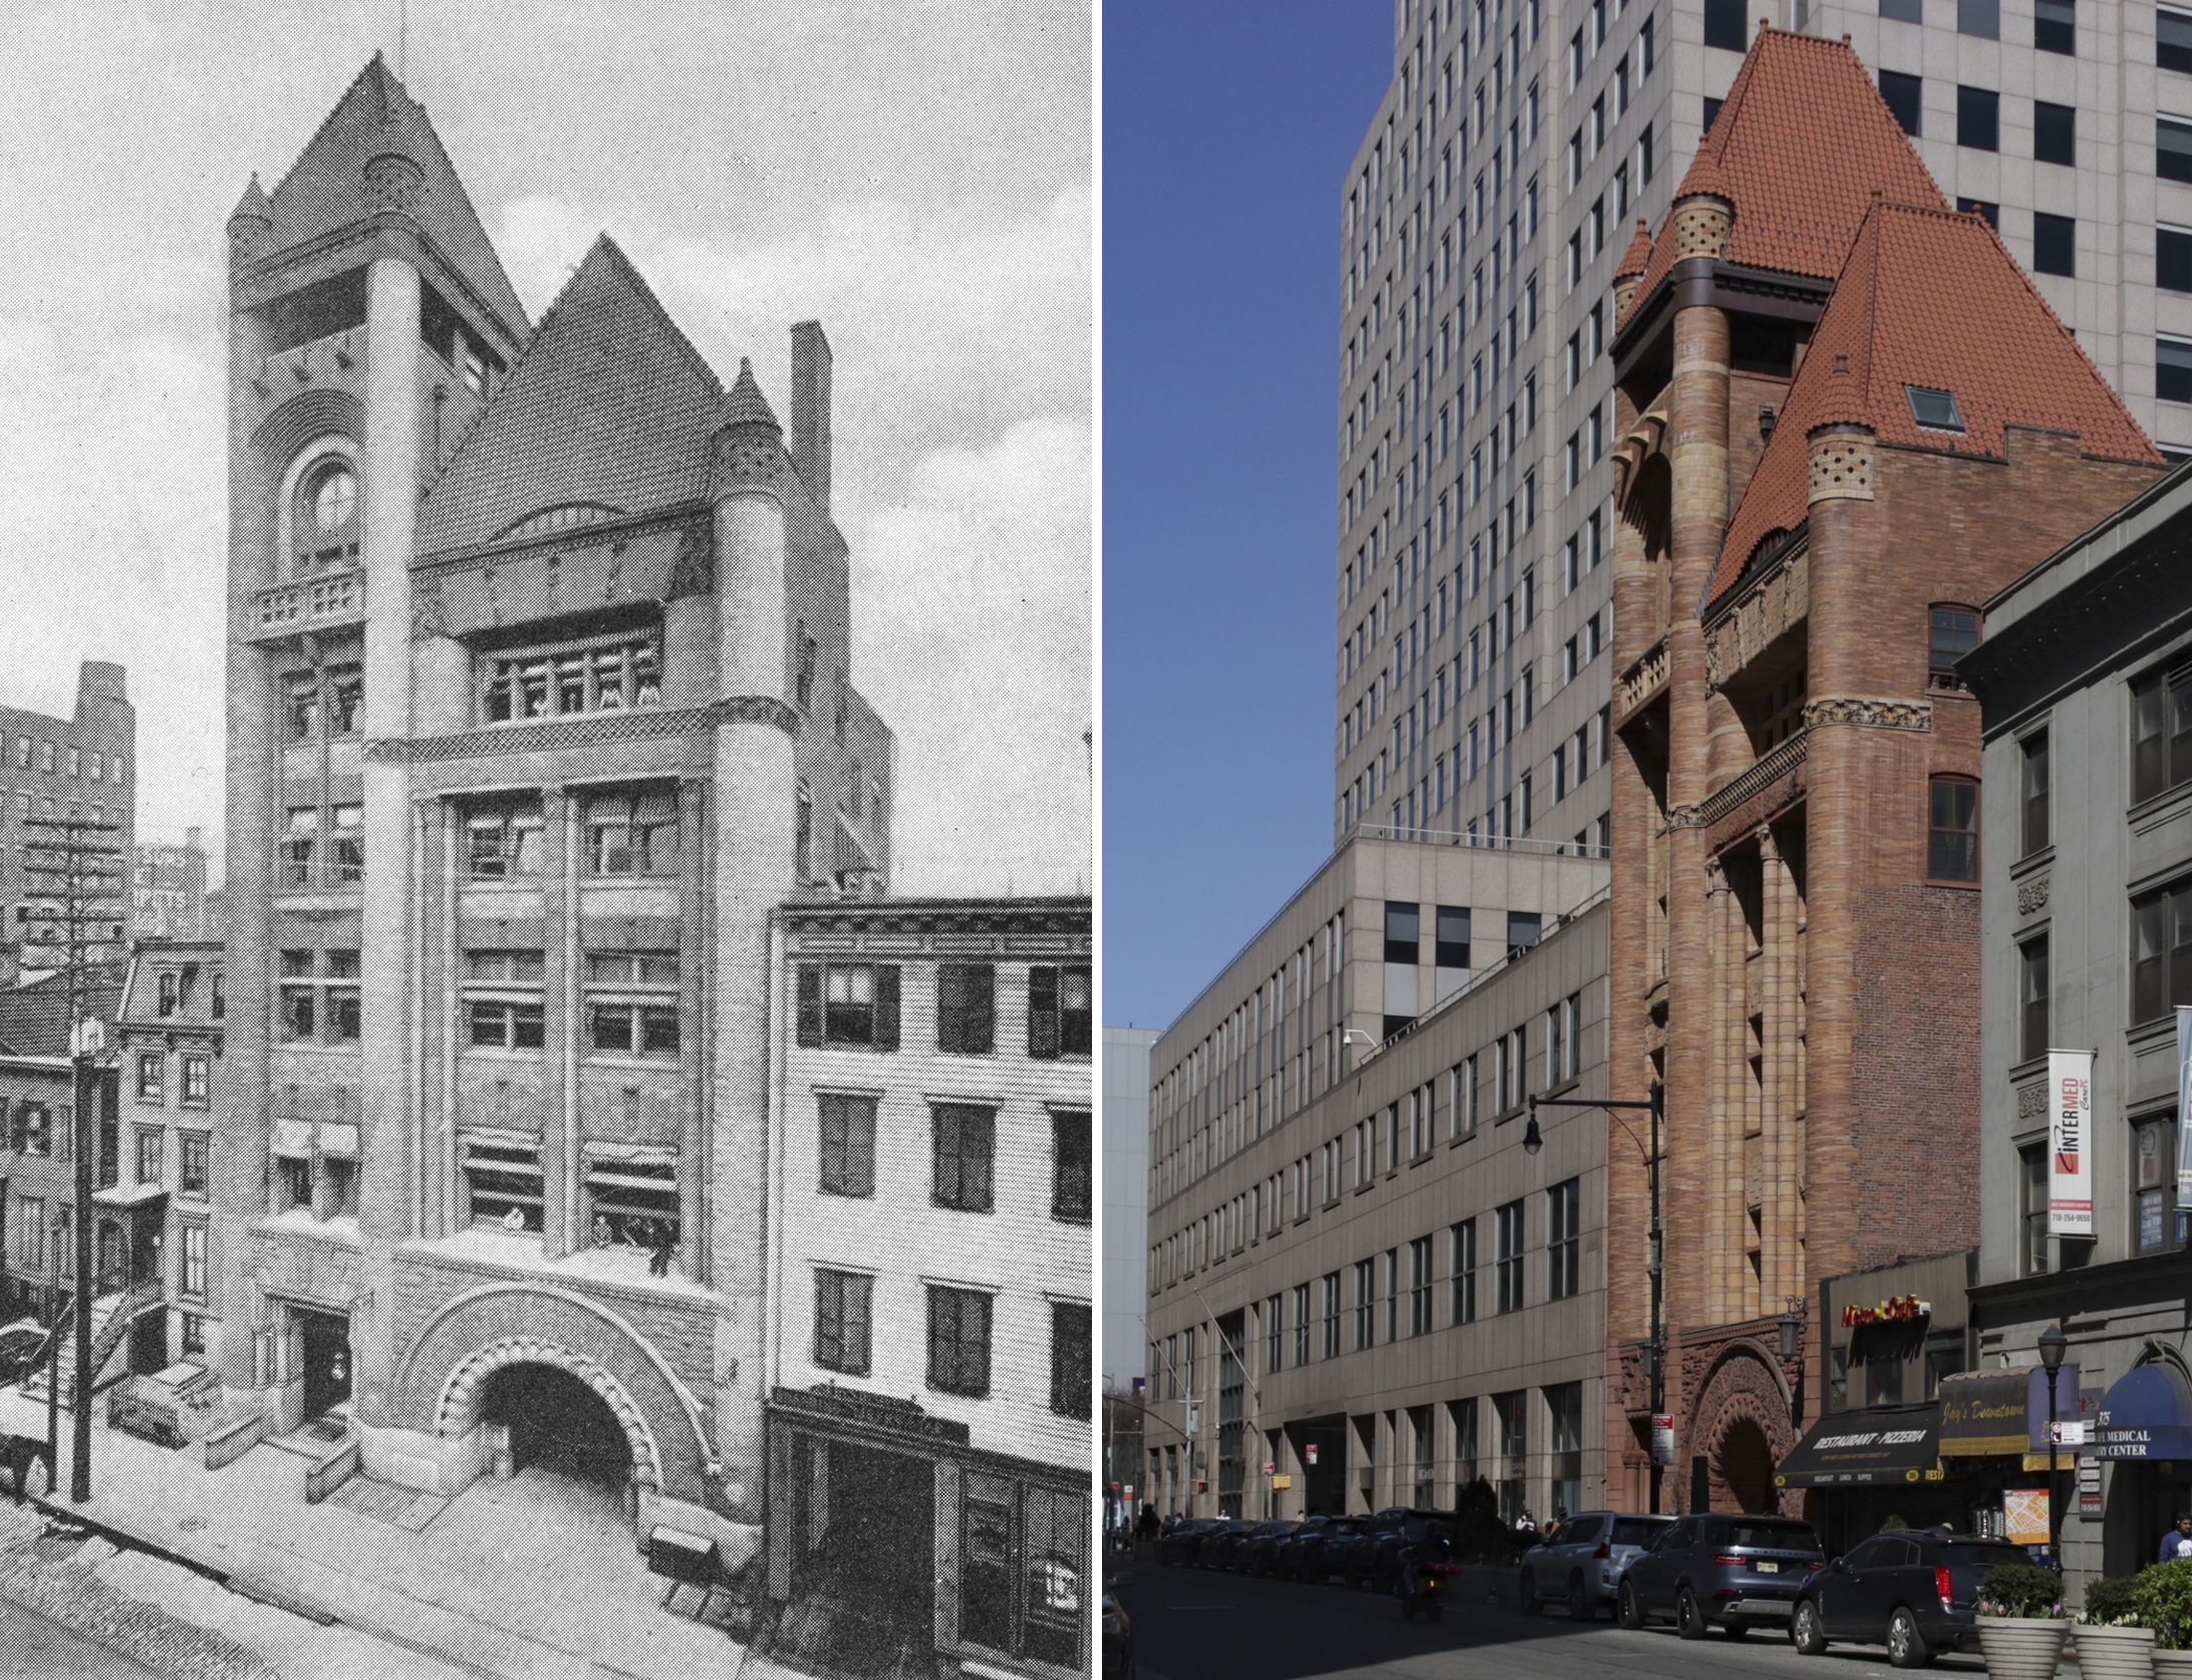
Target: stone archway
1742, 1429
458, 1412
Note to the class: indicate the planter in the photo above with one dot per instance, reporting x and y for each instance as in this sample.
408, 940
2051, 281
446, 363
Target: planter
2022, 1647
2173, 1665
2116, 1653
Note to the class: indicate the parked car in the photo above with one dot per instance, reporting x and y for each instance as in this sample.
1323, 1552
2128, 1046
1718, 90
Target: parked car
1256, 1552
1315, 1550
1713, 1571
1914, 1591
1373, 1556
1183, 1542
1118, 1641
1580, 1564
1219, 1543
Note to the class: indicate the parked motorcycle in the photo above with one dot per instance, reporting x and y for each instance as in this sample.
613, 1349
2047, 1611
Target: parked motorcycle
1422, 1581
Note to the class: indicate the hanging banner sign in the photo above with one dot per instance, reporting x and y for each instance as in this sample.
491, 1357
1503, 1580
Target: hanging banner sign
2184, 1106
2070, 1143
1663, 1438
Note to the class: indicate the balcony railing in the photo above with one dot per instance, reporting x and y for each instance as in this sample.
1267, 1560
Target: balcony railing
1642, 680
309, 604
1758, 778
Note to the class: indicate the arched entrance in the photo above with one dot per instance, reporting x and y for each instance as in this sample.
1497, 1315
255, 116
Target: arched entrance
557, 1422
1743, 1464
1742, 1427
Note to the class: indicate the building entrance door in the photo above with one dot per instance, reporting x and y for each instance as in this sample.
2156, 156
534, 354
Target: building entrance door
327, 1361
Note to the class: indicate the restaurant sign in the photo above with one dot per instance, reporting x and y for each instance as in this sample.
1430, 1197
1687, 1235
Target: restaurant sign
1984, 1413
1896, 1310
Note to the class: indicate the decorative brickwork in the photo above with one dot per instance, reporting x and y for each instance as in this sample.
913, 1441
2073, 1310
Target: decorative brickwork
1842, 468
459, 1412
1863, 711
1702, 225
2031, 896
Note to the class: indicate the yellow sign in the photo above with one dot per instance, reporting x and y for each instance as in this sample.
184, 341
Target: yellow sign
2025, 1510
1282, 1482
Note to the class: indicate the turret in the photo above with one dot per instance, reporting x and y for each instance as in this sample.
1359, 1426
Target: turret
250, 225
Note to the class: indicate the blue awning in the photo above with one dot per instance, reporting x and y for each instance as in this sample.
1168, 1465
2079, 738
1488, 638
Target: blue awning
2147, 1414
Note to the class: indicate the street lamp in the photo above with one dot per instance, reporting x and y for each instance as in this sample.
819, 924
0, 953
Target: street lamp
2052, 1343
1533, 1140
1791, 1326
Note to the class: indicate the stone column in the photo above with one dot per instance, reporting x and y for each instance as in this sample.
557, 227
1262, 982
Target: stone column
560, 1006
694, 828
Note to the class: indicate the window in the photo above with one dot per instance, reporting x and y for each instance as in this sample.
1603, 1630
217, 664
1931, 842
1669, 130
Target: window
631, 1002
2032, 1172
1366, 1304
612, 672
318, 996
2172, 150
503, 1179
632, 1196
959, 1341
2161, 952
1512, 1414
1418, 1286
1937, 412
1331, 1316
323, 518
193, 1335
1724, 24
1903, 11
301, 706
1563, 1224
196, 1179
1060, 1017
1464, 1242
1401, 933
965, 1147
150, 1147
1977, 110
2055, 244
45, 757
1467, 1102
1069, 1359
847, 1144
2173, 260
30, 1234
844, 1004
1991, 214
502, 842
503, 999
966, 1008
1712, 112
1302, 1325
197, 1080
1507, 1258
2161, 733
2033, 994
843, 1320
2172, 38
2173, 364
2054, 133
1525, 927
2055, 26
152, 1072
632, 833
299, 843
31, 1131
194, 1261
1072, 1167
2154, 1218
1953, 839
347, 846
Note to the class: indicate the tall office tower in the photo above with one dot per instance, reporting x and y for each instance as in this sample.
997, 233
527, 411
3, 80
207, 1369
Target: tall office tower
1483, 217
539, 703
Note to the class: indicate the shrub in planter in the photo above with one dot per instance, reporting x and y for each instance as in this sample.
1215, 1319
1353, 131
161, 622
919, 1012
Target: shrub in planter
2110, 1604
2162, 1597
2022, 1590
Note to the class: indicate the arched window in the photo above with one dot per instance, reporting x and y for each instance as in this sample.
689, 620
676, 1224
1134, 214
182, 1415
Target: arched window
1952, 852
323, 518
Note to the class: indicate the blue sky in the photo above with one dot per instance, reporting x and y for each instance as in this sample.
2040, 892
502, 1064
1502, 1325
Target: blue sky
1227, 129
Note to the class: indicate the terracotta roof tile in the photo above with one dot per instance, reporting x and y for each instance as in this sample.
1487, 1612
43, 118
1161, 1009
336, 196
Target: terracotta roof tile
1932, 298
1638, 256
1799, 147
326, 187
610, 404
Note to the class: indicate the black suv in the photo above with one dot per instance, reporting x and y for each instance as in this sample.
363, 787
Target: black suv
1733, 1572
1318, 1548
1913, 1592
1374, 1558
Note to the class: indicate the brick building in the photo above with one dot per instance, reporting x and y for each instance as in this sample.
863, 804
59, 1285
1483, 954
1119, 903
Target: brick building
929, 1283
541, 702
1845, 418
80, 765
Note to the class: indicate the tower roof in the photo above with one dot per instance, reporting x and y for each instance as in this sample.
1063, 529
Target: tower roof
326, 187
745, 406
1799, 145
1902, 314
253, 205
610, 404
1638, 257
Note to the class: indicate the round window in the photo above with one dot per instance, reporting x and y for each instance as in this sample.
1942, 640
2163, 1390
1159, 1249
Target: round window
333, 497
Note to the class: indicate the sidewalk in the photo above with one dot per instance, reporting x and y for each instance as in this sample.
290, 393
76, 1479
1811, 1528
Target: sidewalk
533, 1578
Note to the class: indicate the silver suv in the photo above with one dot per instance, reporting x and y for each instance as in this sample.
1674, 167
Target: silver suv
1580, 1562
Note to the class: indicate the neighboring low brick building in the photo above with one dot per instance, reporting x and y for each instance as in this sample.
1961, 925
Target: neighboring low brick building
84, 765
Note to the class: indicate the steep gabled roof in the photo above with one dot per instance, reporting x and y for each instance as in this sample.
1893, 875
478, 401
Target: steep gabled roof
326, 187
1931, 299
1638, 257
610, 404
1798, 147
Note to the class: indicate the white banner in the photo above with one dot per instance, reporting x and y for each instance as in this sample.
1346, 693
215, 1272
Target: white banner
2184, 1106
2070, 1143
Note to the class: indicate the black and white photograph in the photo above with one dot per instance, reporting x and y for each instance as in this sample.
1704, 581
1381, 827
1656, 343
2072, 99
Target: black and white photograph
548, 764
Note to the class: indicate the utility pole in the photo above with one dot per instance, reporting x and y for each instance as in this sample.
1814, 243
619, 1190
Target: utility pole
79, 873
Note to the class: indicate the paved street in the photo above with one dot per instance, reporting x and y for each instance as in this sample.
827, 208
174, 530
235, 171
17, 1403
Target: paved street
32, 1645
1194, 1624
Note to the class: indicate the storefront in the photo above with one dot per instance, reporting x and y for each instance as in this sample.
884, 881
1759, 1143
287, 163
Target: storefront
1867, 1466
1995, 1436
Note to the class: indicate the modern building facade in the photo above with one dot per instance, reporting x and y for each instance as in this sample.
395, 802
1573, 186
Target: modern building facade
81, 766
1126, 1053
541, 702
2088, 812
1818, 478
929, 1311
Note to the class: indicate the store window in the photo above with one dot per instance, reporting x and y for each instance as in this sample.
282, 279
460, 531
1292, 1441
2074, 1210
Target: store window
1023, 1558
1511, 1412
842, 1320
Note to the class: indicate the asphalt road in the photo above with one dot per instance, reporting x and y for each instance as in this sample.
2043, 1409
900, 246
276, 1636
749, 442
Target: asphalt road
1197, 1624
32, 1645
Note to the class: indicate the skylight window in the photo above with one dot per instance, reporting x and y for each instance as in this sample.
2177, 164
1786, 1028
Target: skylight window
1934, 409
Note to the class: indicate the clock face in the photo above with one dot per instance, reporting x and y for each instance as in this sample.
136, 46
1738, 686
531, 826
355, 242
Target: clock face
334, 498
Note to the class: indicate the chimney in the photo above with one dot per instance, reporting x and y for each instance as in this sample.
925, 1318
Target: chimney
810, 410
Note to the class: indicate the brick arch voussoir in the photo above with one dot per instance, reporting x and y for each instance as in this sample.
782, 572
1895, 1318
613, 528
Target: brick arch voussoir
458, 1410
1744, 1385
307, 414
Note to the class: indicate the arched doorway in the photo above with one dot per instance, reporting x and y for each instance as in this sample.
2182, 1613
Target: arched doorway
558, 1423
1744, 1462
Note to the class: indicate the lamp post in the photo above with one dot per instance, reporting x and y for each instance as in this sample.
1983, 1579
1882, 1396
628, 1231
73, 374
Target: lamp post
2052, 1342
1655, 1366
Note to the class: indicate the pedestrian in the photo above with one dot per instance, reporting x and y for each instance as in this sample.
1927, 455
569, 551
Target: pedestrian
1525, 1523
603, 1233
2177, 1542
665, 1248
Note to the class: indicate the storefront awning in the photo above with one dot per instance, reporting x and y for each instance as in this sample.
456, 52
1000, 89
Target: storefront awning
1881, 1443
2147, 1414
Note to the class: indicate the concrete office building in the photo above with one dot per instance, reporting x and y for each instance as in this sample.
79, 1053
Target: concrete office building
1126, 1052
2086, 812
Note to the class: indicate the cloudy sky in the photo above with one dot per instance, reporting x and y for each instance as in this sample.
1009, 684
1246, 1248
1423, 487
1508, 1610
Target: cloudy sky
916, 176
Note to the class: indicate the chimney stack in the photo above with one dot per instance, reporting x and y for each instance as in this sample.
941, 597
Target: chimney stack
810, 410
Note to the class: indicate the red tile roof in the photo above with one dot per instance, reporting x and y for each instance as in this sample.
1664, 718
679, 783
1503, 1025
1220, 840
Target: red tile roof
610, 404
1918, 283
1638, 256
326, 187
1799, 147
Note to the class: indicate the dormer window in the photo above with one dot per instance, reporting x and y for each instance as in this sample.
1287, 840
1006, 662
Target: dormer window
324, 521
1934, 409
